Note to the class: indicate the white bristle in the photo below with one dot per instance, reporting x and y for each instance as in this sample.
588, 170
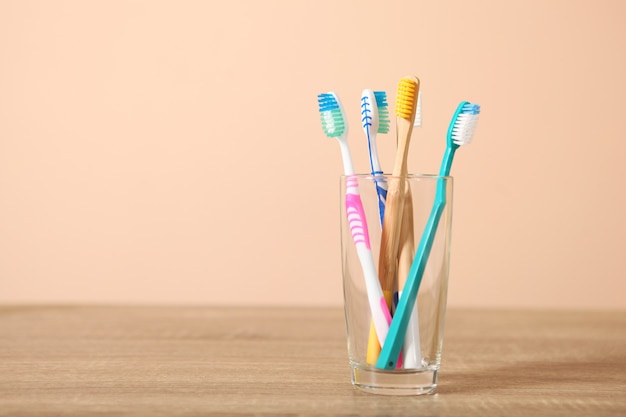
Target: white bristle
418, 111
463, 129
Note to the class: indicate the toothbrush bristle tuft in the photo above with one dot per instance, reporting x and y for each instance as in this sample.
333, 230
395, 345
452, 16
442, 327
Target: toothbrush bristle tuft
418, 111
465, 125
383, 111
406, 97
333, 122
327, 101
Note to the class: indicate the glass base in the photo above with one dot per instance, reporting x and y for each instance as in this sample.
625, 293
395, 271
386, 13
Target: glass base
396, 382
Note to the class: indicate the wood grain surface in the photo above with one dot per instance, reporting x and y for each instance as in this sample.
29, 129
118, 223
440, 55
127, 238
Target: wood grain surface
183, 361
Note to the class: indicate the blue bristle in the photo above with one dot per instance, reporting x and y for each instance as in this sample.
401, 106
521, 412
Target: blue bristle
327, 102
383, 111
470, 108
381, 98
331, 115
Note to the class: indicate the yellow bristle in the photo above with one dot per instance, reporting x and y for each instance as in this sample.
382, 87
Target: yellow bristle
405, 98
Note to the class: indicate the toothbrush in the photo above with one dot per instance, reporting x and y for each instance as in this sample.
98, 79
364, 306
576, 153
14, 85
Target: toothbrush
335, 125
375, 119
406, 100
460, 133
406, 97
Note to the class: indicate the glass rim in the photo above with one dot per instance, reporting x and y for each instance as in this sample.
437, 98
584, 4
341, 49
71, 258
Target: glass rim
388, 175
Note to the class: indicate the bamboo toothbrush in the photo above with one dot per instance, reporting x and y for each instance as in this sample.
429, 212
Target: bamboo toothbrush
335, 125
406, 100
460, 132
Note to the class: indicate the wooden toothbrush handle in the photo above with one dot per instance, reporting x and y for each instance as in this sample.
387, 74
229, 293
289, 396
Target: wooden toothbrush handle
406, 103
390, 235
406, 251
392, 223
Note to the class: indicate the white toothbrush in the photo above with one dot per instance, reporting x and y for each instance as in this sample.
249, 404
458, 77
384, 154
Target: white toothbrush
335, 125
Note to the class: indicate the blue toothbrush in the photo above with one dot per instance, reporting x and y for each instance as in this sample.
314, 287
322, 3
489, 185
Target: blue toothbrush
375, 119
460, 133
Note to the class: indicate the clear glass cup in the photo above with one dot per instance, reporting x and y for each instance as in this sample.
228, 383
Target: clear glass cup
420, 218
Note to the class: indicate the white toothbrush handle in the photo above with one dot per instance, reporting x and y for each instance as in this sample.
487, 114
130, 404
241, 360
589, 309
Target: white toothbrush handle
348, 169
411, 348
378, 306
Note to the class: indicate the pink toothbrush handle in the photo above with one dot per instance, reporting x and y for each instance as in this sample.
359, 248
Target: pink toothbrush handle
360, 235
356, 220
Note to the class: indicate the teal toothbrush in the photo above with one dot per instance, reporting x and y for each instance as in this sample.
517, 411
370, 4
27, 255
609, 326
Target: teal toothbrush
460, 133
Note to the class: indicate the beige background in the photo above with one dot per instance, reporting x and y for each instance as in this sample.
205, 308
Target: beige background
171, 151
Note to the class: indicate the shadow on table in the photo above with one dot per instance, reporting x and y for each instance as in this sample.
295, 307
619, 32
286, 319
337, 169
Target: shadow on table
534, 375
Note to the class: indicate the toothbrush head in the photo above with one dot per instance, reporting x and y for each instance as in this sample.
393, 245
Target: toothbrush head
332, 115
383, 111
369, 112
406, 98
463, 124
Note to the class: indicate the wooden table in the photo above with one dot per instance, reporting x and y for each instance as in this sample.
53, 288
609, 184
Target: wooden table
179, 361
